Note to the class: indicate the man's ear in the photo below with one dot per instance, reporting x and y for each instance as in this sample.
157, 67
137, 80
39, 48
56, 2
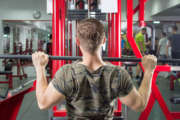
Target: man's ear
77, 42
104, 40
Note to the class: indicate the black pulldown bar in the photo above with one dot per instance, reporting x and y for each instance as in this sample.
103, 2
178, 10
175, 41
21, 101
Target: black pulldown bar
123, 59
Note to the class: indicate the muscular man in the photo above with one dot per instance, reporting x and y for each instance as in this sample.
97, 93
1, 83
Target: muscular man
90, 86
140, 41
174, 41
161, 51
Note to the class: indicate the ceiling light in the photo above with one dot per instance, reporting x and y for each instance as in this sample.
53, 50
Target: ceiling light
156, 22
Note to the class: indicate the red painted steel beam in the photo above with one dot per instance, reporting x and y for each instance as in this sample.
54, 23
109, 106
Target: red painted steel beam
59, 10
130, 30
117, 48
55, 31
62, 31
118, 32
136, 9
176, 115
109, 34
141, 13
112, 50
1, 82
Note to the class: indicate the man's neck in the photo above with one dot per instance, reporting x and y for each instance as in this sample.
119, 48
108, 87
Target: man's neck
92, 59
93, 62
174, 32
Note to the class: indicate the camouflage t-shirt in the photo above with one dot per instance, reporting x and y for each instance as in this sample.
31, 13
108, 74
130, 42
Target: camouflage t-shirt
90, 95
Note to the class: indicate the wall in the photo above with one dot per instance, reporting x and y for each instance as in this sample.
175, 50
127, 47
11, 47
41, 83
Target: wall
161, 5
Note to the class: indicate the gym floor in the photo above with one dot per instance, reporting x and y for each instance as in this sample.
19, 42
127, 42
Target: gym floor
30, 111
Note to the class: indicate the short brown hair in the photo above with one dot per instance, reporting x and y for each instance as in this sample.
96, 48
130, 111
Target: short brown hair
144, 29
175, 28
90, 33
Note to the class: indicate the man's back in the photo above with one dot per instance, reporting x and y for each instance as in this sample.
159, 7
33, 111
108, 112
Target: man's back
91, 94
163, 43
175, 41
139, 38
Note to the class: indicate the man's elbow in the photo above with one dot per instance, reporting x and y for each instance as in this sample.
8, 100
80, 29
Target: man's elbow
140, 107
43, 106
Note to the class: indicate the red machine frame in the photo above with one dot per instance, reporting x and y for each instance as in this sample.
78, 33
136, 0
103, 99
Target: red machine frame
155, 94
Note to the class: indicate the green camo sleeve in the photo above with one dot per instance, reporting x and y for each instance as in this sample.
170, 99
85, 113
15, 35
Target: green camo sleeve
125, 83
59, 81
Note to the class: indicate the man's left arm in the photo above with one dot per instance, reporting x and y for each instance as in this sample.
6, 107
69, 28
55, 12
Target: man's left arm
46, 94
141, 47
141, 41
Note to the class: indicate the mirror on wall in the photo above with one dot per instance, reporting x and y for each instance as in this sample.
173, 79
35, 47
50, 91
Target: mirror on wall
25, 37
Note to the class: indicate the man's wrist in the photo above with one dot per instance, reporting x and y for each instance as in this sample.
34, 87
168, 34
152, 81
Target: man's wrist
149, 71
39, 68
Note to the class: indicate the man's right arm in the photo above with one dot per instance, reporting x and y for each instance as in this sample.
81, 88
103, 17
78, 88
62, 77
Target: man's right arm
141, 47
138, 99
159, 46
167, 48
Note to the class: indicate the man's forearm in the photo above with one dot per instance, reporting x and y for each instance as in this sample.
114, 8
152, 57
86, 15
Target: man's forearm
158, 50
41, 83
145, 88
142, 48
167, 51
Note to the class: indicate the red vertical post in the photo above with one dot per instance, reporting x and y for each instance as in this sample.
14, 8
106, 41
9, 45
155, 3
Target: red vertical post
58, 32
112, 50
58, 48
63, 16
117, 43
130, 30
55, 31
141, 13
109, 34
55, 35
118, 33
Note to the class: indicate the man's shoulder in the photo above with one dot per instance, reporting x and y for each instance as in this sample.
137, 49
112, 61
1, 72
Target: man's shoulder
116, 69
65, 68
79, 68
161, 40
172, 36
139, 36
120, 69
